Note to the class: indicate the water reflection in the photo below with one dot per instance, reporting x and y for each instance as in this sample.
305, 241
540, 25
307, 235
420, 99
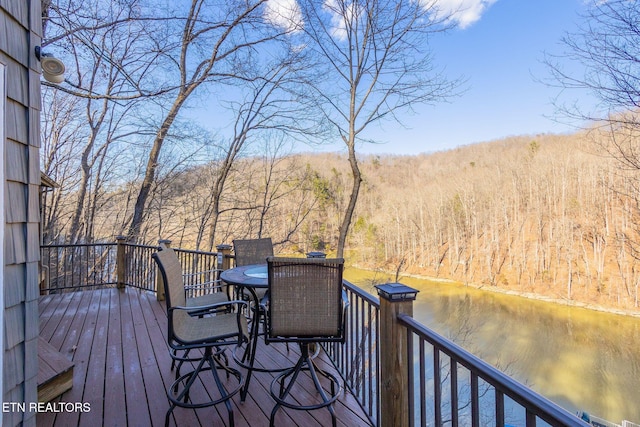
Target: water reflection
580, 359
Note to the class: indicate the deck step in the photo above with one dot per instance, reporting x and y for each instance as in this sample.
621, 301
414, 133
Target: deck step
55, 372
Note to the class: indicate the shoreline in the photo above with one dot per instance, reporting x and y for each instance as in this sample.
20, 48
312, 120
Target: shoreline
528, 295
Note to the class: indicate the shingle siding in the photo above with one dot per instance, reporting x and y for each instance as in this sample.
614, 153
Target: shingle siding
20, 32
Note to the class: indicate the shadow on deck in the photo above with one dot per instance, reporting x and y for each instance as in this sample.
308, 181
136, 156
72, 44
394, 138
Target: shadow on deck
116, 339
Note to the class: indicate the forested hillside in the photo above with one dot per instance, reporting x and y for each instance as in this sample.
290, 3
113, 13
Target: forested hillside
548, 214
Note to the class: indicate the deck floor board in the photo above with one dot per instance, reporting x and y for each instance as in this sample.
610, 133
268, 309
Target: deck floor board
117, 341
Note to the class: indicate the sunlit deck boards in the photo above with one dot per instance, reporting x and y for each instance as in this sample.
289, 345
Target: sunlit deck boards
116, 338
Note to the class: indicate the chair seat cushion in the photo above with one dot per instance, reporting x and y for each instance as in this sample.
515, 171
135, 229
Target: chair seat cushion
197, 330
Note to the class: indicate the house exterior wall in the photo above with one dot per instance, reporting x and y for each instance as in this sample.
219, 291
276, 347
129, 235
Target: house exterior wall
20, 33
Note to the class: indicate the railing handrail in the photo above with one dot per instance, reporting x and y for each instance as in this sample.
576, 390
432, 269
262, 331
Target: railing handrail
136, 245
194, 251
73, 245
532, 401
371, 299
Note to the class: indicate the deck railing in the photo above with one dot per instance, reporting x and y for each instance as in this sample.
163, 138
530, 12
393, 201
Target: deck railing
74, 267
101, 265
358, 360
448, 385
401, 373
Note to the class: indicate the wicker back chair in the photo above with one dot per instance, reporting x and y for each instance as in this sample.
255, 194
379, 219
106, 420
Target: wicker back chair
252, 251
209, 291
214, 327
305, 306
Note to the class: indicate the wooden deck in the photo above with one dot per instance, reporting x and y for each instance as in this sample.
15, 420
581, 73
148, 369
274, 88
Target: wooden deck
117, 342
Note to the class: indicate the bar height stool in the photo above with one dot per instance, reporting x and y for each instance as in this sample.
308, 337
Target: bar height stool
305, 306
222, 325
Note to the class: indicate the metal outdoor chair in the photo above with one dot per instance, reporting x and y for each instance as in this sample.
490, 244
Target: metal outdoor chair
305, 306
252, 251
201, 289
212, 328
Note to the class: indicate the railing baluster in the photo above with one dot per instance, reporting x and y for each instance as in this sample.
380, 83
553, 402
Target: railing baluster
411, 378
423, 382
475, 401
499, 408
437, 388
373, 361
454, 392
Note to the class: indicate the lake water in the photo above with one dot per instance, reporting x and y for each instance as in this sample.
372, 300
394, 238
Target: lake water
580, 359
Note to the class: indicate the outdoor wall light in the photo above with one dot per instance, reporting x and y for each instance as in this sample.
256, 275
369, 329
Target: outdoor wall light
396, 292
52, 68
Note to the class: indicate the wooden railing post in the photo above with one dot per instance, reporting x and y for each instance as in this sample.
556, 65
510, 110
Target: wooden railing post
224, 256
121, 267
163, 243
395, 298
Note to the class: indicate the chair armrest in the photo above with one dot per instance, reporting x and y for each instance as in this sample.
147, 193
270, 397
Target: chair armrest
345, 300
264, 302
222, 308
210, 307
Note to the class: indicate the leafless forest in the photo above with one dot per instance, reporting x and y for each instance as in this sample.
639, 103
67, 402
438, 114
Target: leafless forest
549, 214
170, 125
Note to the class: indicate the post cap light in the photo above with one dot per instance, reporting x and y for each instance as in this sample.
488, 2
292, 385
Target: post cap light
316, 254
396, 292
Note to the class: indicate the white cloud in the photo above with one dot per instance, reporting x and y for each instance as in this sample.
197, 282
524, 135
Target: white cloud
284, 14
464, 12
342, 12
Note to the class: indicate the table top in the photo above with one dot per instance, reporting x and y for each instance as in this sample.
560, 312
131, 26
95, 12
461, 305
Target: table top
254, 276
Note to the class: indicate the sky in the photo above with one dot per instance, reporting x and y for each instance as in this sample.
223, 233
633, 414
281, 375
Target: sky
498, 47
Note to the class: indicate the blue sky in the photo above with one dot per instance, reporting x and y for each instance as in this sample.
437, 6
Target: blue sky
498, 47
500, 54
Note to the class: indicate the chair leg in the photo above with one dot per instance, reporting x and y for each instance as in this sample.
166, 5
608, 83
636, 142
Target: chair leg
214, 360
316, 381
251, 348
289, 377
223, 391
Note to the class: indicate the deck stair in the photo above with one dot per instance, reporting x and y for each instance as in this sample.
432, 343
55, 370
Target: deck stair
55, 372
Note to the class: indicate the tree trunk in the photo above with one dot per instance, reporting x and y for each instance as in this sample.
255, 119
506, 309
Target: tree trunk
152, 165
355, 190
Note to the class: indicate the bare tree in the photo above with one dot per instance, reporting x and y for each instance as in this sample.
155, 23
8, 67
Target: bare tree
117, 38
62, 138
108, 61
270, 105
378, 65
215, 44
607, 47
